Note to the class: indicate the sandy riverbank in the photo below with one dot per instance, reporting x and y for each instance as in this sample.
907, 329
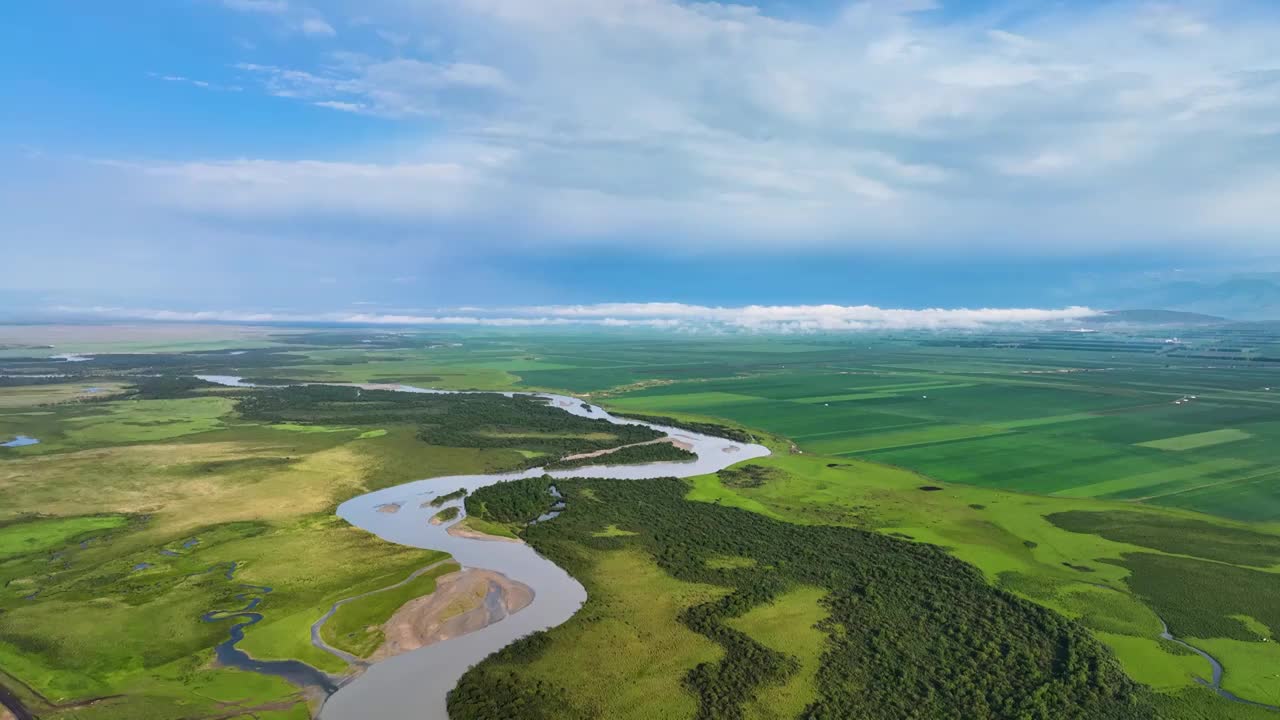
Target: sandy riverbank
609, 451
444, 516
463, 602
459, 531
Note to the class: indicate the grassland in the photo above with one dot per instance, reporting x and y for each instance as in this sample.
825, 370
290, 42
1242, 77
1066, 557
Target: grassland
27, 396
630, 619
110, 527
844, 623
19, 537
1114, 481
356, 626
789, 625
1095, 574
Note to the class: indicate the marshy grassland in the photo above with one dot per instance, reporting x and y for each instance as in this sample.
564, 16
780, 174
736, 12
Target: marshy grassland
1036, 489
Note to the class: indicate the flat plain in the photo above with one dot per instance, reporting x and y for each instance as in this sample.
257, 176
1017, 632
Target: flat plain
1114, 479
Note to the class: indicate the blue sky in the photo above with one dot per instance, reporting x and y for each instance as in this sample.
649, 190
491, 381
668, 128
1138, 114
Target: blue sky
299, 156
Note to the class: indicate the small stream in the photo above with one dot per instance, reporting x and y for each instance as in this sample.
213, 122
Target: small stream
20, 441
294, 671
1216, 684
318, 640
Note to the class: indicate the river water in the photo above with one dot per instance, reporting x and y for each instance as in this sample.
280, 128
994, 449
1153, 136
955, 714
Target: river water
414, 686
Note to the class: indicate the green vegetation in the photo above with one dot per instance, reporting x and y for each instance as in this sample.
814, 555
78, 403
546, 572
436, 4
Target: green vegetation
1039, 413
747, 476
98, 424
35, 535
1205, 599
1027, 441
1181, 536
793, 625
446, 515
168, 387
116, 530
624, 655
902, 617
705, 428
477, 421
1012, 539
612, 531
630, 455
19, 394
727, 562
512, 502
485, 527
448, 497
356, 626
1198, 440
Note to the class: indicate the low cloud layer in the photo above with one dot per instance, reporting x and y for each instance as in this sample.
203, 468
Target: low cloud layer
669, 316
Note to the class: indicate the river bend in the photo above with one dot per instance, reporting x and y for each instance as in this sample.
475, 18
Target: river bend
414, 686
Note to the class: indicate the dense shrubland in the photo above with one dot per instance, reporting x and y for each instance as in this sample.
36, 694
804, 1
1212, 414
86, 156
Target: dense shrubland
512, 502
634, 455
448, 497
705, 428
480, 420
912, 631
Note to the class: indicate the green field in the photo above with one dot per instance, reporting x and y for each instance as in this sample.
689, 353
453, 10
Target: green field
1110, 480
1195, 441
834, 620
355, 626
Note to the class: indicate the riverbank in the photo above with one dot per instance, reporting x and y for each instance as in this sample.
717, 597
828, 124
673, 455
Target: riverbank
463, 602
461, 530
682, 444
416, 684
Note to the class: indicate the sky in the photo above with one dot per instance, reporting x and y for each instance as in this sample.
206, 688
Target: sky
406, 158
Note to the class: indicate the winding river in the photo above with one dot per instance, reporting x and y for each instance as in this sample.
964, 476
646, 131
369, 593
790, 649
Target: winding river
1216, 667
414, 686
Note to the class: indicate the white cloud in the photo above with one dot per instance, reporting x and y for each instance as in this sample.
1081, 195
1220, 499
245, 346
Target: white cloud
270, 188
343, 106
1171, 20
274, 7
399, 87
674, 316
887, 125
203, 84
317, 26
702, 127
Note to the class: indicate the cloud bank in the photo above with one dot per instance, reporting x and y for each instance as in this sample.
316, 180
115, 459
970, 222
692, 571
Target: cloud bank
454, 140
1064, 129
668, 316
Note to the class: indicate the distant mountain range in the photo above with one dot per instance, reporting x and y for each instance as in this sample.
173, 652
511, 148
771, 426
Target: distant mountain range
1155, 317
1241, 297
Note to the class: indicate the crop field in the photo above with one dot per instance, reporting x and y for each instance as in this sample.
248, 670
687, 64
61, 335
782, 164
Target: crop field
1133, 428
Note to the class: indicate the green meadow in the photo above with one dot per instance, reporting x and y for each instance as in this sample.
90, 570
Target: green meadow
1114, 481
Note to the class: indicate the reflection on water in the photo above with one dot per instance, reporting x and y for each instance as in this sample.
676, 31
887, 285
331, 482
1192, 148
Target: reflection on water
20, 441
